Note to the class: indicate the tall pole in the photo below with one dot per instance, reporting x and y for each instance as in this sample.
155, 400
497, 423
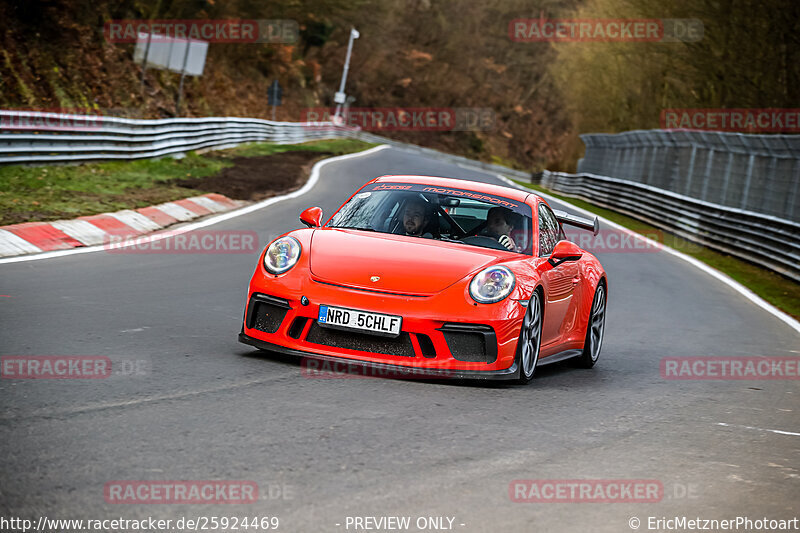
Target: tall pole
340, 95
183, 75
144, 63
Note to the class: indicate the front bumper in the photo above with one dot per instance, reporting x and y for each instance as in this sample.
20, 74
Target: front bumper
387, 370
443, 333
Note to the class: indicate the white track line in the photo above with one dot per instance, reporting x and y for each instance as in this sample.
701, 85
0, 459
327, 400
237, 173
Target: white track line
138, 401
730, 282
209, 221
778, 431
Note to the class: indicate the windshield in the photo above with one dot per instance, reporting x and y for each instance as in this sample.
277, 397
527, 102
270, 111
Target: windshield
426, 212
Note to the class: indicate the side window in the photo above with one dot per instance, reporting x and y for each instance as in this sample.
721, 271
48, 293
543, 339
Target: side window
549, 231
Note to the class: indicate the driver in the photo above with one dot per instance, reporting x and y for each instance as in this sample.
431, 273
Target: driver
499, 223
416, 216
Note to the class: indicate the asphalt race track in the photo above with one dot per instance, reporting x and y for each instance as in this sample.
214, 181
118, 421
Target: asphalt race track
202, 406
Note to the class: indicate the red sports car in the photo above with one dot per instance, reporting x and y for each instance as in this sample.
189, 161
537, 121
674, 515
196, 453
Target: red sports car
441, 276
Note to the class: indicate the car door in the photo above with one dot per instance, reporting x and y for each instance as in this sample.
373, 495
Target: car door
559, 282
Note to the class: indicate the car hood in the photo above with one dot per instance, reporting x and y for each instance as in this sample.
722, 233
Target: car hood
405, 265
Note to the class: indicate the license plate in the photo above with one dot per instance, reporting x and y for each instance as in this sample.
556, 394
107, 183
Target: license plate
364, 321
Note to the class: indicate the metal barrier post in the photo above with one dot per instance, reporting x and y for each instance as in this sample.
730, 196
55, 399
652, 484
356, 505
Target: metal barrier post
707, 175
688, 186
748, 177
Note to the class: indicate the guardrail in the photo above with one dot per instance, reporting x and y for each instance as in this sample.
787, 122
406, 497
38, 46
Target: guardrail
766, 240
42, 138
30, 137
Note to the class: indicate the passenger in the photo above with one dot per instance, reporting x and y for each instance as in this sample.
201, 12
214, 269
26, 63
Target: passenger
499, 223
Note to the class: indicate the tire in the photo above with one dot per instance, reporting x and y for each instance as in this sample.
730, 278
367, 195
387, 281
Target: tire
595, 328
530, 338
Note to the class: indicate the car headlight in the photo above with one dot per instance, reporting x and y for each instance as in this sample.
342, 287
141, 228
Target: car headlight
491, 284
281, 255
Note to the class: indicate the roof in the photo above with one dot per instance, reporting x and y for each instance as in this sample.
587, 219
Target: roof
455, 183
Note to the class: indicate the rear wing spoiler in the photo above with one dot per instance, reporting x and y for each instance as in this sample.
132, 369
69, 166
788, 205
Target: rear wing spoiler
580, 222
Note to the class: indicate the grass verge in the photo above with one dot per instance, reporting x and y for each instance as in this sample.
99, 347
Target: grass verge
29, 194
774, 288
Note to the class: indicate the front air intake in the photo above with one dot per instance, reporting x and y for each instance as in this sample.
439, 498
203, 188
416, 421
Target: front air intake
266, 313
471, 343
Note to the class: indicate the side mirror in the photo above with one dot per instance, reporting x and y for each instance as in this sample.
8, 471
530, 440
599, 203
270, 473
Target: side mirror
312, 217
565, 251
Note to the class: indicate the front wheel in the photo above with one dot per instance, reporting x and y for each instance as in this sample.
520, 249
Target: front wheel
595, 329
530, 339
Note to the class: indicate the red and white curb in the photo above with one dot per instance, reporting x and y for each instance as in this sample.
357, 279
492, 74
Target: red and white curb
36, 237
